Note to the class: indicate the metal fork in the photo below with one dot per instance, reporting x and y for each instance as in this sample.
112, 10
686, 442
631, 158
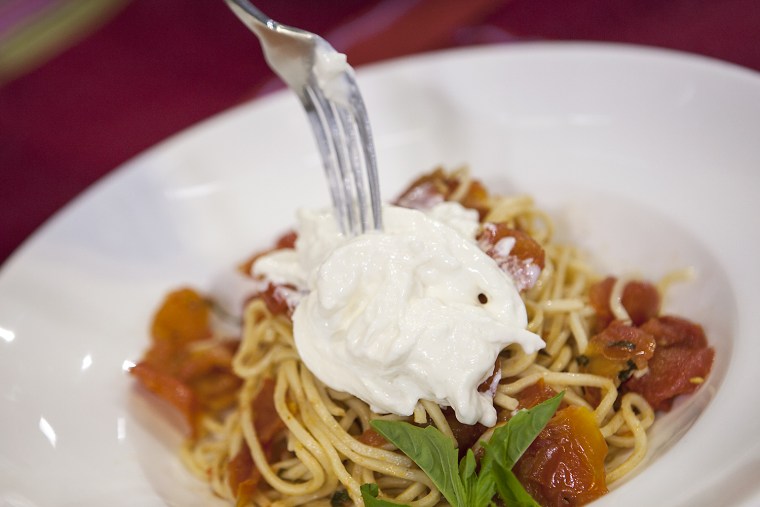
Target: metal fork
326, 86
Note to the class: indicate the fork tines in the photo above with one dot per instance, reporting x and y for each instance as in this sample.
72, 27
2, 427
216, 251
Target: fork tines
344, 139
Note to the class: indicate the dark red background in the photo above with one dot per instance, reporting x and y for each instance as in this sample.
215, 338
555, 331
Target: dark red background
162, 65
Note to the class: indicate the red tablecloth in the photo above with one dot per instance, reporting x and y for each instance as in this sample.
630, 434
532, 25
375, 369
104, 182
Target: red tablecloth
162, 65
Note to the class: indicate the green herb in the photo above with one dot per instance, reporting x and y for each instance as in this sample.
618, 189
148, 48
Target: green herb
369, 495
461, 484
626, 374
433, 452
510, 441
511, 491
623, 344
340, 498
581, 360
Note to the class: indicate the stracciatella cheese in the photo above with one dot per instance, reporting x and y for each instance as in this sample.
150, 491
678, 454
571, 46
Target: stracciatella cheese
417, 311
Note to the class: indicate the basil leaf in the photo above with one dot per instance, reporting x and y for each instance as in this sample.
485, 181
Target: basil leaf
510, 490
433, 452
369, 495
509, 441
479, 489
461, 485
467, 465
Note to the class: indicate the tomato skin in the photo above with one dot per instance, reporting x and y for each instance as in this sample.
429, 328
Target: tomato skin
617, 351
183, 317
564, 466
681, 361
477, 198
522, 262
536, 393
243, 476
275, 299
437, 186
525, 247
640, 299
672, 331
184, 365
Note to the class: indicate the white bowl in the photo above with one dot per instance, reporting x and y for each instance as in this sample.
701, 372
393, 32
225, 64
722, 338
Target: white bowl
648, 159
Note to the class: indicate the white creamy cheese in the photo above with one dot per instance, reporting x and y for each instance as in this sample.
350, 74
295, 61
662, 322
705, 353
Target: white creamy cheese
330, 68
393, 317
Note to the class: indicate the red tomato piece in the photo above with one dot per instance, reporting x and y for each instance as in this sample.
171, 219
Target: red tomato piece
372, 438
617, 351
244, 477
275, 299
184, 366
523, 262
670, 331
681, 362
565, 464
640, 299
535, 394
168, 388
525, 247
183, 317
437, 186
426, 191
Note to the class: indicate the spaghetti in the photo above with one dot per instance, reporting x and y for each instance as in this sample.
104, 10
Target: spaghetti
289, 440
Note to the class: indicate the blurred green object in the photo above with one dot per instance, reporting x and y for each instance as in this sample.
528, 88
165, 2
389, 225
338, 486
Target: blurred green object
33, 31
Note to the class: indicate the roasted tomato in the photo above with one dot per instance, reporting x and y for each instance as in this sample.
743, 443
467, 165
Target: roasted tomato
466, 435
565, 464
522, 257
243, 476
640, 299
477, 198
184, 365
437, 186
183, 317
426, 191
681, 362
372, 437
525, 247
168, 388
617, 351
535, 394
275, 296
671, 331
